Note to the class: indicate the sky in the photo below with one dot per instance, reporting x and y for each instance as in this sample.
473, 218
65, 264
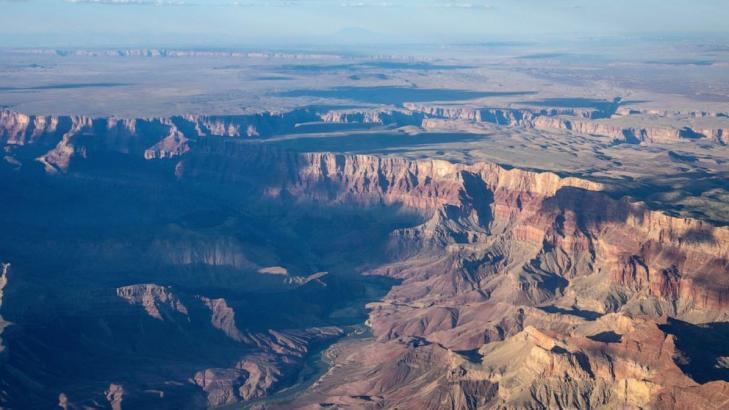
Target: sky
232, 23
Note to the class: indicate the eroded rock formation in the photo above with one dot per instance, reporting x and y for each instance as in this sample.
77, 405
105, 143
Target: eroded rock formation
532, 270
515, 289
154, 298
587, 366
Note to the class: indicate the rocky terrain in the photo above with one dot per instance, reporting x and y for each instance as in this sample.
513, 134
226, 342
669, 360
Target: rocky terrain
511, 285
389, 244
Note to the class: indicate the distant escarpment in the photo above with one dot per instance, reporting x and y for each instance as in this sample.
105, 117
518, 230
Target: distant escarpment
577, 120
173, 53
57, 140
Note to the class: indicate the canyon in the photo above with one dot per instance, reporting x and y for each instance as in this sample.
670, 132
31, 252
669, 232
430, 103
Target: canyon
507, 284
312, 230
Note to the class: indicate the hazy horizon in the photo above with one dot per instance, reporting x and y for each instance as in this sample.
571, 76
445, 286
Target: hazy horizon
244, 23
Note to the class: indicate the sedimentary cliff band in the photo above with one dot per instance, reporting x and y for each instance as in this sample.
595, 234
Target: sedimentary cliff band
59, 138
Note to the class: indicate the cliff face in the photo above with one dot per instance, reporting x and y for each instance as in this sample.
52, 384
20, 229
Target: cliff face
578, 120
154, 298
361, 179
380, 117
504, 116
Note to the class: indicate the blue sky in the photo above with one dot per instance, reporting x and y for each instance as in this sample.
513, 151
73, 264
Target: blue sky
225, 23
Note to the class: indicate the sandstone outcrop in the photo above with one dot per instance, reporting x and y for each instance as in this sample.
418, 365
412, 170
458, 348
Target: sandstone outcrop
222, 317
156, 300
115, 396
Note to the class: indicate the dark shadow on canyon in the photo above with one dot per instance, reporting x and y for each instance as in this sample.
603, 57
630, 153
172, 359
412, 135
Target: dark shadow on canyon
111, 228
585, 314
705, 361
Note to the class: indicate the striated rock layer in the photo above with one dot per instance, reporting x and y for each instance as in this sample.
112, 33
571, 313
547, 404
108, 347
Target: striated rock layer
56, 140
577, 120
